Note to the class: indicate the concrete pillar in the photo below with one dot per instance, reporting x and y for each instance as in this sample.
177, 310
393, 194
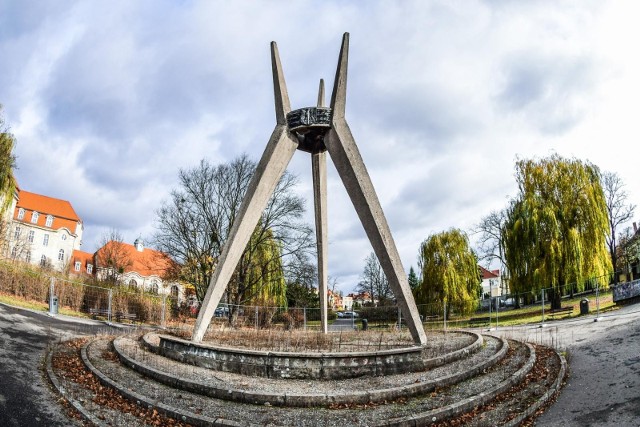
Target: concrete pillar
319, 171
350, 166
319, 167
274, 161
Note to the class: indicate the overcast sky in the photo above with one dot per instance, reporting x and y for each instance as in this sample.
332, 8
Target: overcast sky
109, 99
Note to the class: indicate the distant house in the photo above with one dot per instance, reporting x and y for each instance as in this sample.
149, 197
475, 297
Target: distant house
45, 231
138, 267
334, 300
490, 282
361, 299
82, 264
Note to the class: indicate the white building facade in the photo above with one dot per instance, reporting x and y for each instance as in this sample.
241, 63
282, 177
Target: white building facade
45, 231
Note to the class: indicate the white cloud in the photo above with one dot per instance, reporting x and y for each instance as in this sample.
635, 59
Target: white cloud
109, 99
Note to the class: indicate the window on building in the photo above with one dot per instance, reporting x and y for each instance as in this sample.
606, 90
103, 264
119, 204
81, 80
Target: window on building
90, 268
21, 213
32, 234
14, 252
61, 255
43, 260
49, 220
45, 240
154, 287
77, 265
64, 237
133, 283
34, 217
27, 256
174, 291
17, 233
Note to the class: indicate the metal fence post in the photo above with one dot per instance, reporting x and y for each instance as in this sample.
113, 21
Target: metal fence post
445, 315
256, 317
399, 319
597, 302
542, 324
109, 309
497, 310
51, 295
304, 317
164, 310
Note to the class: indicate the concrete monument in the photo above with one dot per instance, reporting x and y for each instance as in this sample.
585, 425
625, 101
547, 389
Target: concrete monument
315, 130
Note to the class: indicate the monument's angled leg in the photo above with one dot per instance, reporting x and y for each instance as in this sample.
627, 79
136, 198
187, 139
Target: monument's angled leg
319, 168
274, 161
348, 162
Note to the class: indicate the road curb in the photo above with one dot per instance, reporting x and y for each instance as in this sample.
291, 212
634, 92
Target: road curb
62, 391
139, 399
306, 400
555, 388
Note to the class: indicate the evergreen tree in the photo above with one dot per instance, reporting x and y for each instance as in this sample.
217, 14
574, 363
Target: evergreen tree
414, 282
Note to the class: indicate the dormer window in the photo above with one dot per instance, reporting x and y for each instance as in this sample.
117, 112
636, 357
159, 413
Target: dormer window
77, 265
49, 220
21, 213
89, 268
34, 217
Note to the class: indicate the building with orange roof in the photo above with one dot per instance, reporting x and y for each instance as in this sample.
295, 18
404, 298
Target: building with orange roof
138, 267
490, 282
82, 264
46, 231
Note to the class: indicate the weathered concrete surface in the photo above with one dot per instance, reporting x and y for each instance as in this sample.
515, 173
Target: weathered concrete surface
294, 365
274, 161
25, 397
350, 166
603, 388
319, 171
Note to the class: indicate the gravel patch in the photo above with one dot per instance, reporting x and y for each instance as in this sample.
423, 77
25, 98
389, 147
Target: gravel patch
360, 415
132, 348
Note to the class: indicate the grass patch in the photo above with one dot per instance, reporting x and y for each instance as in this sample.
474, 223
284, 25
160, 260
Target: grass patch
531, 313
37, 305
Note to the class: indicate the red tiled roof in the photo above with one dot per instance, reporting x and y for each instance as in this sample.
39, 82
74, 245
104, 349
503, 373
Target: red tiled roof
61, 210
148, 262
85, 258
486, 274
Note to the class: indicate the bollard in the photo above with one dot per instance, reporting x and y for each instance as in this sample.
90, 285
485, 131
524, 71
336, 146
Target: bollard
365, 324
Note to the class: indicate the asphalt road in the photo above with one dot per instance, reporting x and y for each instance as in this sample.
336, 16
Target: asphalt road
25, 396
603, 388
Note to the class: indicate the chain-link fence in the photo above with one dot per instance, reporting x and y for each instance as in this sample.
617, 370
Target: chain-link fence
62, 295
131, 305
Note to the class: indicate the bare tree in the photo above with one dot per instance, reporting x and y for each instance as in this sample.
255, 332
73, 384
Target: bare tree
375, 282
193, 225
15, 242
491, 243
112, 258
619, 212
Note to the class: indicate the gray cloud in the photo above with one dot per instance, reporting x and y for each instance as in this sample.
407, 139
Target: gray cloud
109, 99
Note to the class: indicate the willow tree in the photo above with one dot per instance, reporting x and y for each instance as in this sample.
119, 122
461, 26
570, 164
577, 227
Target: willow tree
556, 227
450, 273
7, 163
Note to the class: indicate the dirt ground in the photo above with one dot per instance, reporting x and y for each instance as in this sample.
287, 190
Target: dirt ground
603, 388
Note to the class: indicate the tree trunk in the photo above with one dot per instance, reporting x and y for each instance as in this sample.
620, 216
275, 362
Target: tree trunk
555, 297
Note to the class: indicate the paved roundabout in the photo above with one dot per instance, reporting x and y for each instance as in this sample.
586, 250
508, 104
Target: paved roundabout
602, 388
